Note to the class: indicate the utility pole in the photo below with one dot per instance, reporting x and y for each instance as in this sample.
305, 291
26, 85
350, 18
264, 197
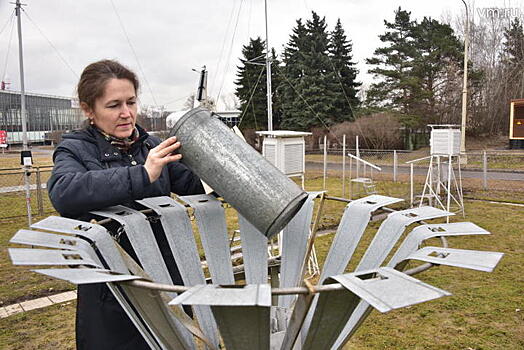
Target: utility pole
464, 90
26, 153
268, 79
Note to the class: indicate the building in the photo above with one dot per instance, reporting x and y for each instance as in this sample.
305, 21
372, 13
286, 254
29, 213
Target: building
47, 116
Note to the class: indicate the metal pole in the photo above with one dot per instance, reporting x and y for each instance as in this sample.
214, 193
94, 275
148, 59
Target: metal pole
23, 110
464, 88
268, 79
344, 165
39, 196
395, 161
448, 205
350, 177
485, 170
325, 163
357, 151
411, 183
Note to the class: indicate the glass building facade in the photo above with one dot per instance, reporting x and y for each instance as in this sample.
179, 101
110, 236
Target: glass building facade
46, 116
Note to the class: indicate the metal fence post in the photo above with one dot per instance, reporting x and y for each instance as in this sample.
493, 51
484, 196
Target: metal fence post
325, 163
343, 165
350, 177
395, 160
485, 170
39, 199
411, 183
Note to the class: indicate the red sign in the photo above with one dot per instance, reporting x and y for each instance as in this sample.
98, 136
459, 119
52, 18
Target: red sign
3, 137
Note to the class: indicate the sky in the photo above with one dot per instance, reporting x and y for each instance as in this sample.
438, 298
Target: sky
165, 41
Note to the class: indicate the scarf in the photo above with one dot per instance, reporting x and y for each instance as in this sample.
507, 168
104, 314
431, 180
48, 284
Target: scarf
122, 144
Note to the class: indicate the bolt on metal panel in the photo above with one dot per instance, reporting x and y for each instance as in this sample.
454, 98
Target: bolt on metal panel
390, 231
353, 223
242, 312
95, 233
387, 235
387, 289
384, 288
27, 256
50, 240
254, 252
295, 237
138, 231
349, 232
86, 276
110, 254
424, 232
469, 259
212, 227
179, 233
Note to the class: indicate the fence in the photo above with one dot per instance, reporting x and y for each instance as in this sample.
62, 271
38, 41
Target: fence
487, 170
13, 195
500, 170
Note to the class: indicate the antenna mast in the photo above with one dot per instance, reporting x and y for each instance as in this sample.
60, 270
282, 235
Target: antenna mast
268, 79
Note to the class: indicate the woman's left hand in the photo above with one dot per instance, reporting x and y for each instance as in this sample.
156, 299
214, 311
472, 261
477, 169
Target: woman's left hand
160, 156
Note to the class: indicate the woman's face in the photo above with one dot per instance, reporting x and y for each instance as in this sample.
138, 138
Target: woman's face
115, 111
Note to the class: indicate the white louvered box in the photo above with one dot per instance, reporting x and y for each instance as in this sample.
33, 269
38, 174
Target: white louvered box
445, 142
285, 150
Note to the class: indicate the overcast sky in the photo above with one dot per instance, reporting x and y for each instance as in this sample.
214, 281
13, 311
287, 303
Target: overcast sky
162, 41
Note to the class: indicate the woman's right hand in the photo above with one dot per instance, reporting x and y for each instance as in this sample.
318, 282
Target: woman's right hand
160, 156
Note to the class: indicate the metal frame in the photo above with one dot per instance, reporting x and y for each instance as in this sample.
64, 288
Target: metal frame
321, 316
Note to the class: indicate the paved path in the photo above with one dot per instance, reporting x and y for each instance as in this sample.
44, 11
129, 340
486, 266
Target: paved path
477, 174
34, 304
10, 189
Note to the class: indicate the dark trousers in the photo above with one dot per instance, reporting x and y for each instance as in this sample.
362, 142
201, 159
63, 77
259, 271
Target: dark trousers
102, 324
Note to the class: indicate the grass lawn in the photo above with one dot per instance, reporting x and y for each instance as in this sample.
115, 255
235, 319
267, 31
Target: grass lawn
484, 312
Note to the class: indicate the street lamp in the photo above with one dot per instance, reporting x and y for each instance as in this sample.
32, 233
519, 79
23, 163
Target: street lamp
464, 88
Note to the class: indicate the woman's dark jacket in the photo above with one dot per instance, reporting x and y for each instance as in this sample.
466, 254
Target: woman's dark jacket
89, 173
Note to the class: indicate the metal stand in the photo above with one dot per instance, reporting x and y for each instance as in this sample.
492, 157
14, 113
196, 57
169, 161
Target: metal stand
442, 184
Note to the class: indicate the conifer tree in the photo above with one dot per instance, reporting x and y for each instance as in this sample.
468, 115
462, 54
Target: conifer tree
514, 43
393, 64
309, 98
436, 49
251, 87
340, 51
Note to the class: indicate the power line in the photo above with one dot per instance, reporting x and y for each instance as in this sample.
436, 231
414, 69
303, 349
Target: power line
133, 50
230, 49
308, 105
8, 45
222, 49
50, 43
7, 22
250, 97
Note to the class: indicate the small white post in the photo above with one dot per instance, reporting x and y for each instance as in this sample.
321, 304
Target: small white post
411, 183
357, 153
448, 205
485, 170
325, 163
395, 160
343, 165
350, 177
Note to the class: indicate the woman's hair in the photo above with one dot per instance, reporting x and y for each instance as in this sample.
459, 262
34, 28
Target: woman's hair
95, 76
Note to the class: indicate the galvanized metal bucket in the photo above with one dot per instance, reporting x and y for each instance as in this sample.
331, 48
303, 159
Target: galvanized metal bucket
252, 185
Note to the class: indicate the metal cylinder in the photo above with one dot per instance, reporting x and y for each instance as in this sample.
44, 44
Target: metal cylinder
243, 177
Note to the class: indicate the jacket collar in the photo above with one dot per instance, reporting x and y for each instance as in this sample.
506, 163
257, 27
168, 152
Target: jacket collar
108, 152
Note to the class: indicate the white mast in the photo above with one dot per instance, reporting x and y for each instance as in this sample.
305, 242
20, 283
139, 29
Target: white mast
22, 86
268, 79
25, 150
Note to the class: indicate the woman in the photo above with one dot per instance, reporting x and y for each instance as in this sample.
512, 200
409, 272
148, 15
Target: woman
112, 161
